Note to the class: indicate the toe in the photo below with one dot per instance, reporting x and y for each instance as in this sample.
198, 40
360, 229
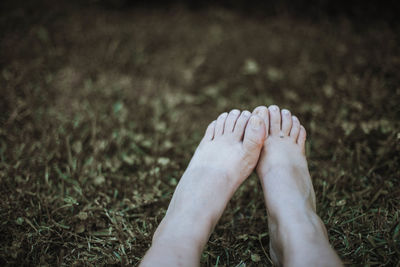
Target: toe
286, 121
209, 135
294, 132
254, 135
231, 120
262, 112
274, 120
240, 125
220, 124
301, 140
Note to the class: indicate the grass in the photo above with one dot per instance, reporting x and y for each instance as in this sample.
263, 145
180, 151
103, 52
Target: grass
101, 110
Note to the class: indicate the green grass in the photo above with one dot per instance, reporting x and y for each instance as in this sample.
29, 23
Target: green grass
102, 110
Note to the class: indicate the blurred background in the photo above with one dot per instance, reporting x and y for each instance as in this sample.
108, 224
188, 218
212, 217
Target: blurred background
103, 103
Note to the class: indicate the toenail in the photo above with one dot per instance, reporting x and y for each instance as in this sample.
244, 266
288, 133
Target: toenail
274, 108
235, 112
260, 111
255, 123
285, 111
246, 113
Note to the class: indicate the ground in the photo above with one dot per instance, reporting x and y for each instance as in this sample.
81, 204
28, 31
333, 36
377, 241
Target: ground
101, 110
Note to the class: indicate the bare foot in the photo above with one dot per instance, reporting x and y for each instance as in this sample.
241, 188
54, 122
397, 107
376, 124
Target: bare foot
295, 229
284, 152
226, 156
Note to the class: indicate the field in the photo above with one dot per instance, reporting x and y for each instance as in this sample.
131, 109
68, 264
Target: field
101, 110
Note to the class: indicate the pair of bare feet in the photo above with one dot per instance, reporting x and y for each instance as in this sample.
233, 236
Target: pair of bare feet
270, 141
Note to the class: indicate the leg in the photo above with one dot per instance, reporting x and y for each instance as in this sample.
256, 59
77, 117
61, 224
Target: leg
225, 157
297, 235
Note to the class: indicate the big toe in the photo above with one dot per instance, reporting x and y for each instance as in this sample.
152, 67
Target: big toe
274, 120
262, 112
254, 135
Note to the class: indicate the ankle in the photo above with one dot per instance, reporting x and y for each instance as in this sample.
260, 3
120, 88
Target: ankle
295, 210
292, 227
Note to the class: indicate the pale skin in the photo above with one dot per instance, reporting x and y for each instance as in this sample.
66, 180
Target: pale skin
270, 141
